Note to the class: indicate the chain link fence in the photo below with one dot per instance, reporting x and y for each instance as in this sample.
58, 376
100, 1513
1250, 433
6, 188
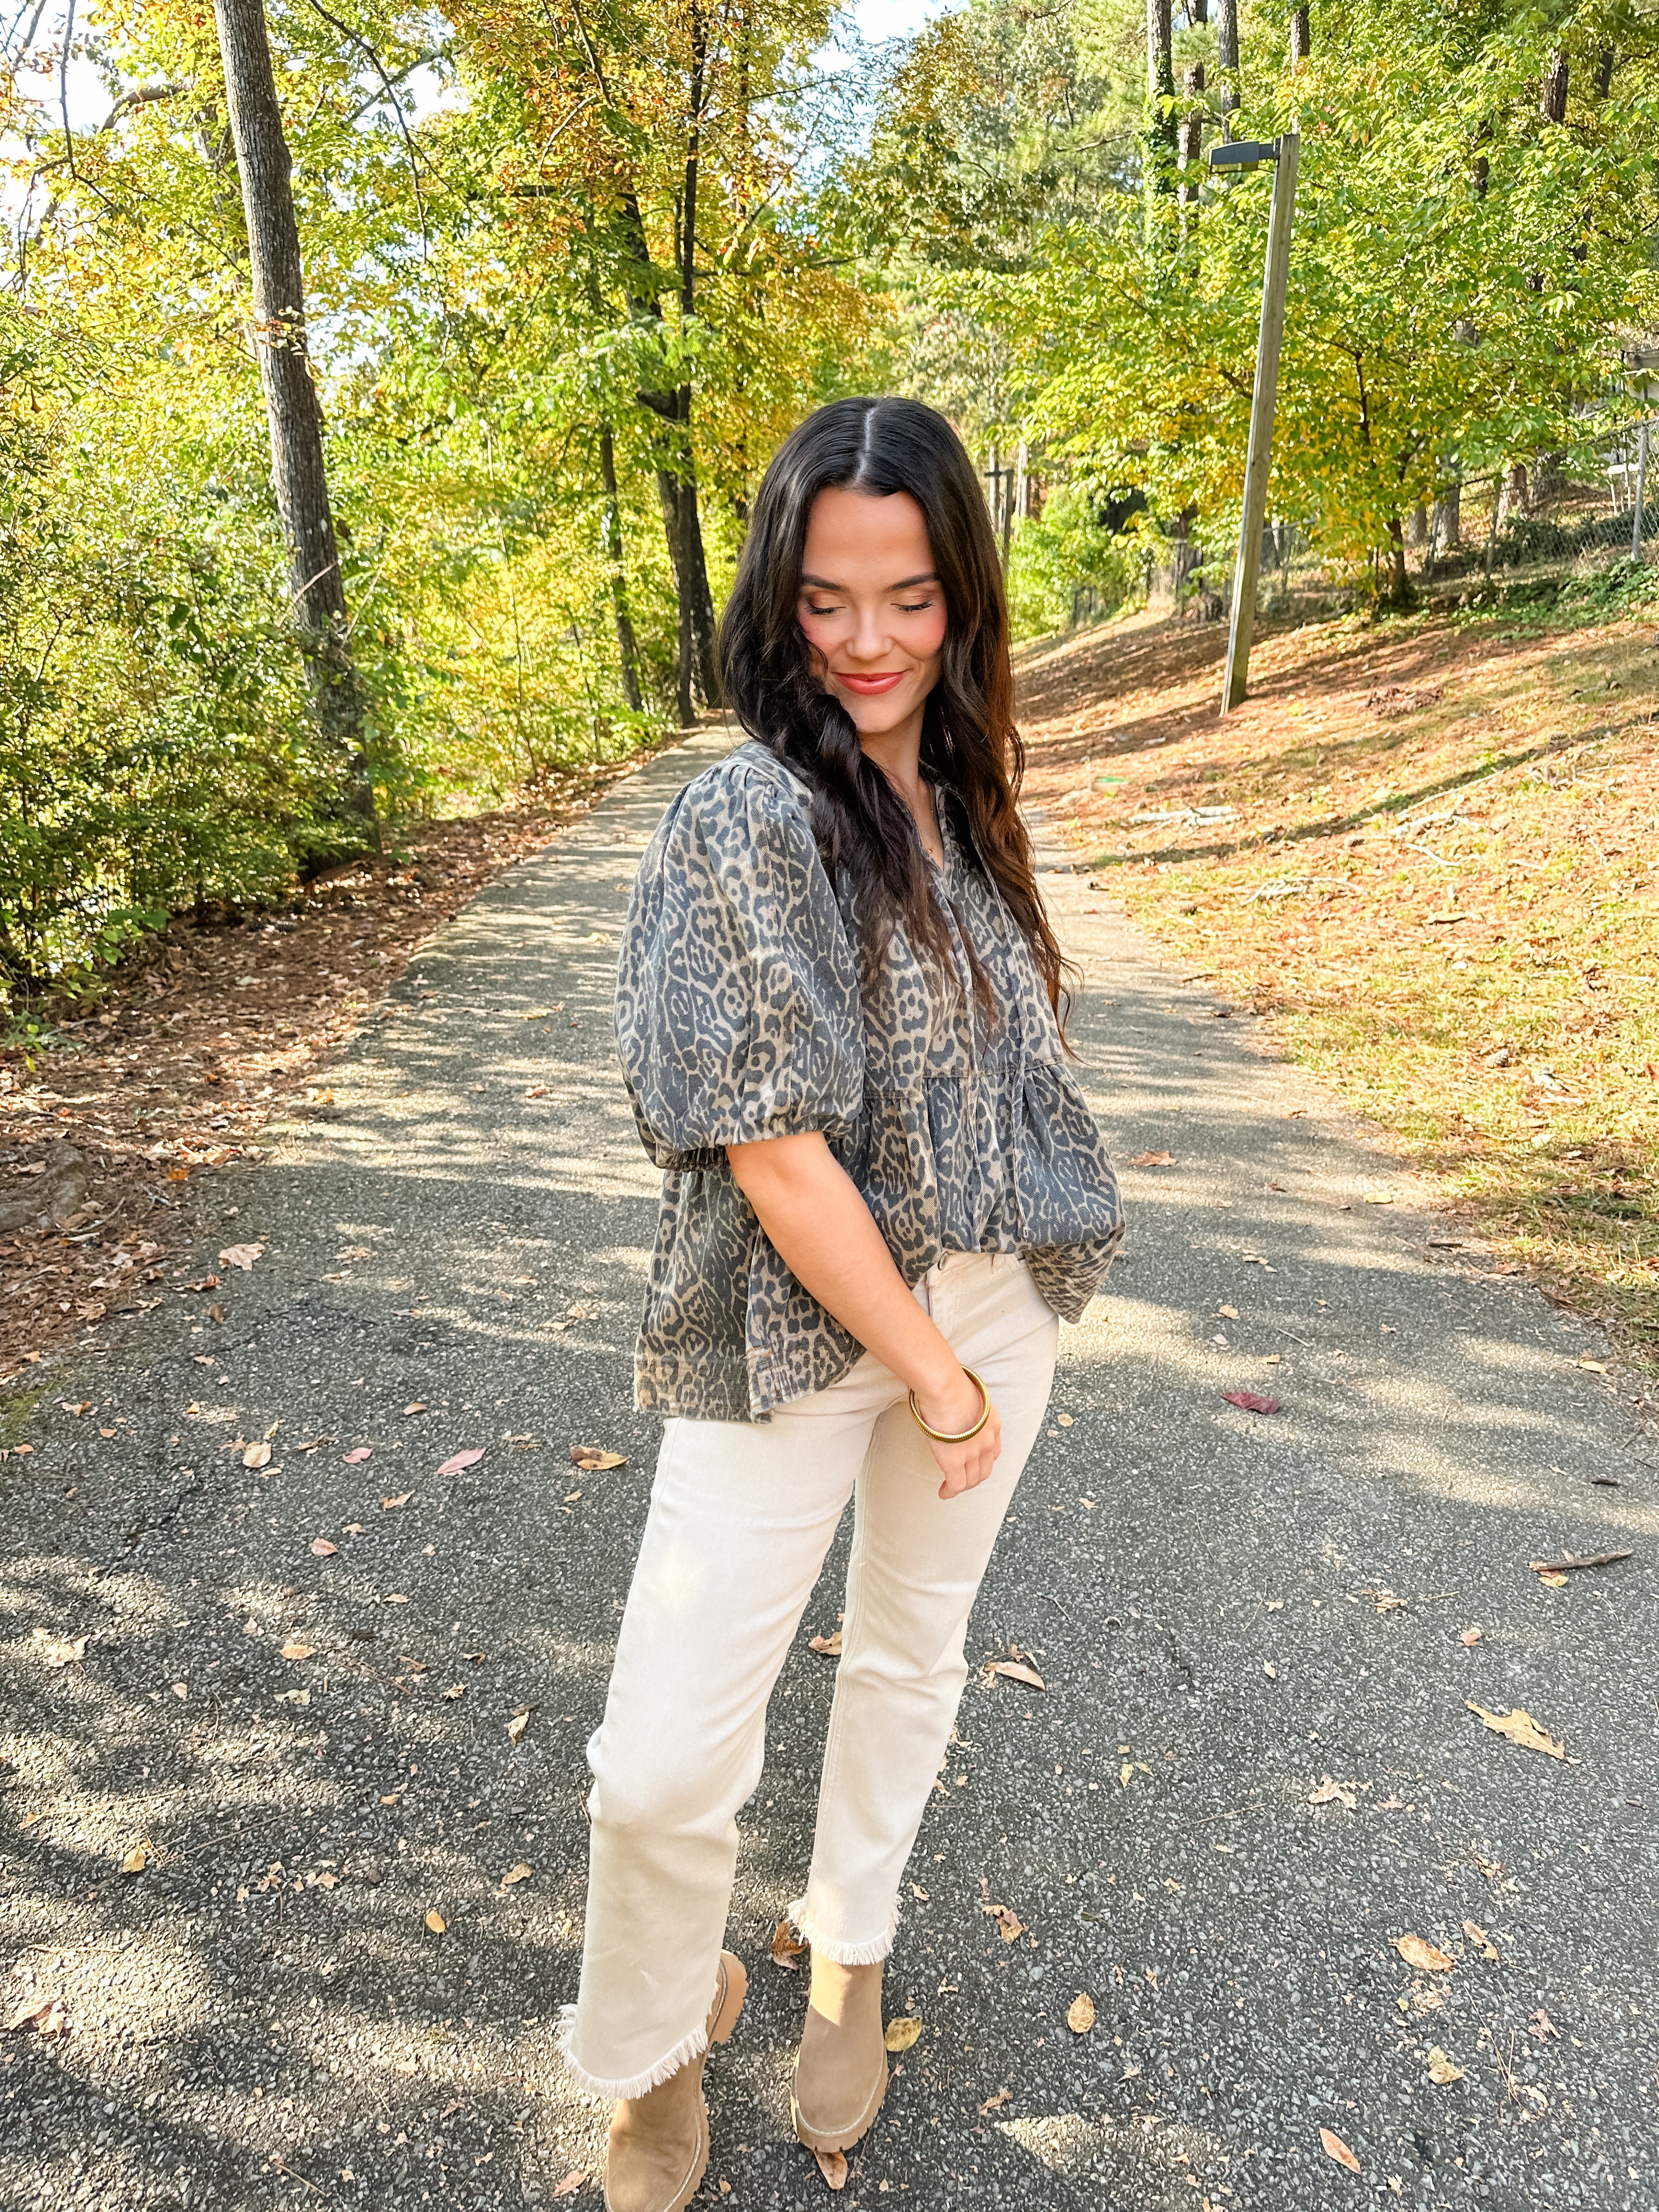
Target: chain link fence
1581, 520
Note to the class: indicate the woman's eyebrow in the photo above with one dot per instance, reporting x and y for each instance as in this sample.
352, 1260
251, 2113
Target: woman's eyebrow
904, 583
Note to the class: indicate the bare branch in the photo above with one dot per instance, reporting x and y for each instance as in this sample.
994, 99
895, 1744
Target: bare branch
357, 40
142, 95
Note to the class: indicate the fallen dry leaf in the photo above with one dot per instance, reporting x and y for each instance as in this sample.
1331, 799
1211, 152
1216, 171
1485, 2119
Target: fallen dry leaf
256, 1456
902, 2034
788, 1948
594, 1459
1081, 2017
1482, 1941
1519, 1727
436, 1923
1417, 1952
293, 1651
46, 2015
1332, 1793
994, 2104
456, 1690
1248, 1402
60, 1650
572, 2182
1552, 1577
1009, 1925
1540, 2027
358, 1454
832, 2165
416, 1405
1016, 1672
1152, 1160
240, 1255
136, 1860
1469, 1637
519, 1872
390, 1504
457, 1460
828, 1646
1334, 2147
322, 1548
1227, 1312
520, 1722
1441, 2069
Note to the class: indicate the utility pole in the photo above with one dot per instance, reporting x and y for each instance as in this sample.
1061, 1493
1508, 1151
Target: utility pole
317, 594
1283, 152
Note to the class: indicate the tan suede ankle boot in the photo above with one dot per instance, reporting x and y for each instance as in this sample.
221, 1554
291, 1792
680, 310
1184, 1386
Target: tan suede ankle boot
841, 2070
659, 2149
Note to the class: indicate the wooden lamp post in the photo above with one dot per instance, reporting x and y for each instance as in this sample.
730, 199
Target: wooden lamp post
1241, 154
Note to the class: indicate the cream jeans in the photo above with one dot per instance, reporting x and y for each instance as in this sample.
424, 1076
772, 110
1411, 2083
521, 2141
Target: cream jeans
741, 1518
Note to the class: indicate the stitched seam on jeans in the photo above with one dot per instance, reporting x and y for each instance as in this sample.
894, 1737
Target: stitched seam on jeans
832, 1756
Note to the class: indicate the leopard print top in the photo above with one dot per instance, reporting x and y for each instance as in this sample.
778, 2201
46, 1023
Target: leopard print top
739, 1016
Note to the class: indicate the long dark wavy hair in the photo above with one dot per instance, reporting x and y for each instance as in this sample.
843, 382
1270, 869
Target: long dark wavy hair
969, 745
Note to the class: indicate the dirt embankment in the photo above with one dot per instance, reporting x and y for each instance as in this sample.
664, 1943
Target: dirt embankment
1424, 853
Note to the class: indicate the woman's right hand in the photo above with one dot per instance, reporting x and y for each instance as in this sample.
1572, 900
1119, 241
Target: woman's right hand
955, 1404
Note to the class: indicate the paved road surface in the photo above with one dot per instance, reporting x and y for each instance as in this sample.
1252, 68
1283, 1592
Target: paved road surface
1255, 1765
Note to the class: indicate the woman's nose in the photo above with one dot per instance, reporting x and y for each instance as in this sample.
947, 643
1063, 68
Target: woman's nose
869, 638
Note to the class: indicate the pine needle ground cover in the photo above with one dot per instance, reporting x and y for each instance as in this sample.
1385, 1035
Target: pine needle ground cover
1424, 852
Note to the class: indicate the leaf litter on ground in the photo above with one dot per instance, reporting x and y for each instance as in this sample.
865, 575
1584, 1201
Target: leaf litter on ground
1334, 2147
1417, 1952
788, 1948
1520, 1727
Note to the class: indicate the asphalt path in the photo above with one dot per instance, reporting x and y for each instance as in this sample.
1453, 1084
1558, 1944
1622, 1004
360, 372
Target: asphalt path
353, 1899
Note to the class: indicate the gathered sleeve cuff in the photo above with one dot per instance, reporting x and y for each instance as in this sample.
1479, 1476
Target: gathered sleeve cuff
739, 1013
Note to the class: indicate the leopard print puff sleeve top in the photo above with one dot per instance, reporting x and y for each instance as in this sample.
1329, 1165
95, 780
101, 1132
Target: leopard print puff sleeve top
740, 1017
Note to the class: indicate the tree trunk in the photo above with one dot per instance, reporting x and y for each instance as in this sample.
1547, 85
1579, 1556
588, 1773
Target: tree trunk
676, 489
1605, 61
1190, 133
1552, 92
1398, 592
695, 575
1227, 41
316, 592
1451, 517
1417, 526
1160, 94
627, 652
1301, 37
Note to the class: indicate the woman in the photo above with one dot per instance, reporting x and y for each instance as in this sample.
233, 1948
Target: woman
837, 1010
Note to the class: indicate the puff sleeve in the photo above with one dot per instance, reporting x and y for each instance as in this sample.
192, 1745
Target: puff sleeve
738, 1015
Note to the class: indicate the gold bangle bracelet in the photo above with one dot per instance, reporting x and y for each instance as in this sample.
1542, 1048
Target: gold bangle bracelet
962, 1436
